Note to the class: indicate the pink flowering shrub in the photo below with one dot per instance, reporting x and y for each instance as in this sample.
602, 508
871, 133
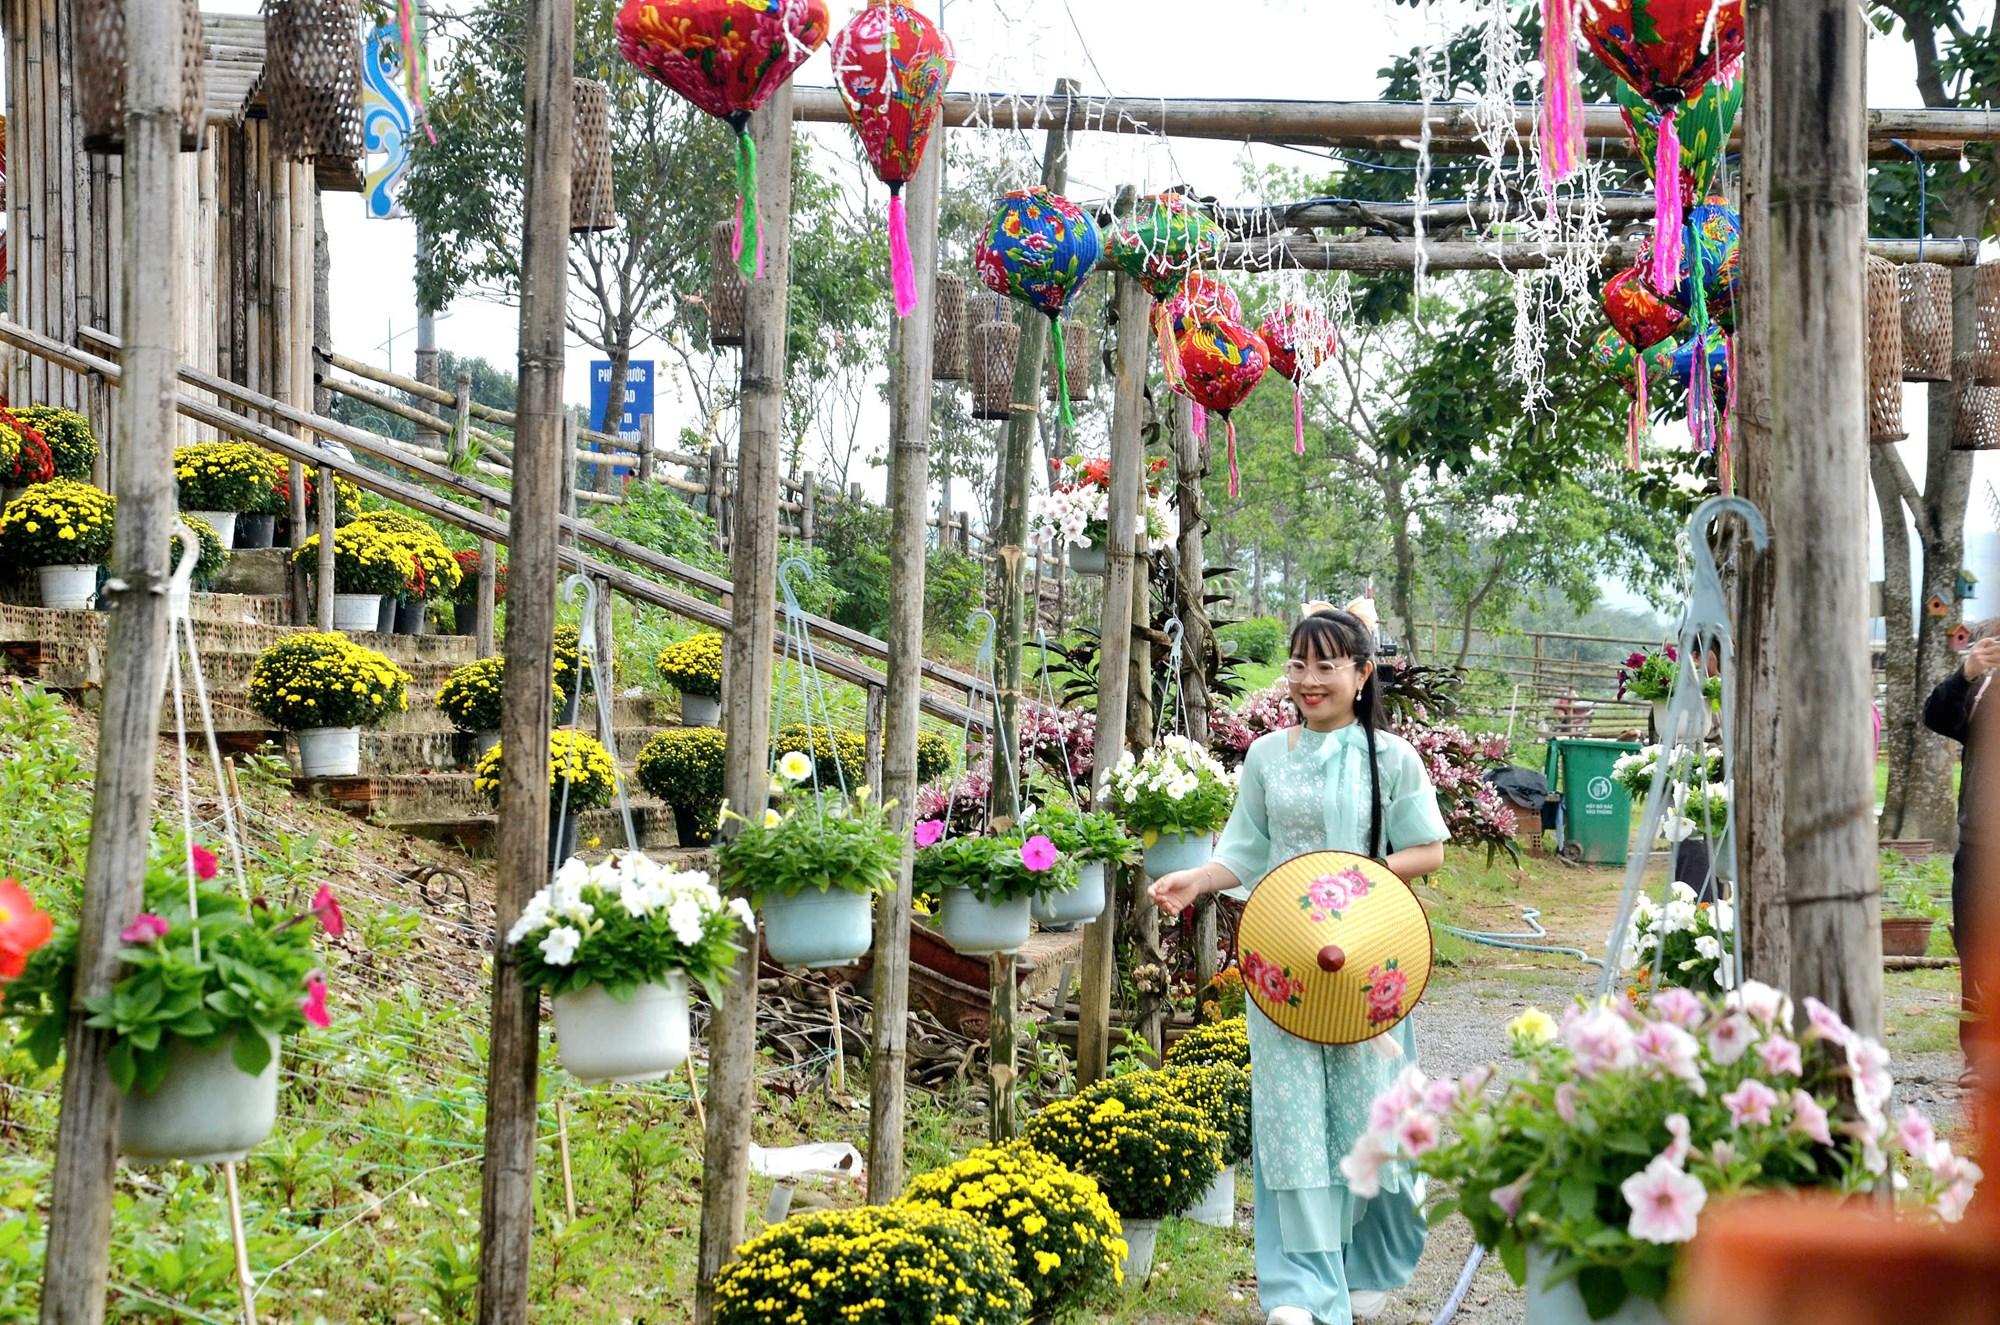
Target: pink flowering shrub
1456, 760
1621, 1126
1061, 740
1231, 731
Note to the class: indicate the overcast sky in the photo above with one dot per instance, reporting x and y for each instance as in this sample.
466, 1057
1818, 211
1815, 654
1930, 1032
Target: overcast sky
1266, 48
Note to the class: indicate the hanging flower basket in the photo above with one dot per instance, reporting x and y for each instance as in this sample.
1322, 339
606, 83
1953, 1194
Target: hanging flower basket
1925, 290
726, 289
985, 885
990, 368
1885, 354
205, 1111
948, 329
591, 204
98, 28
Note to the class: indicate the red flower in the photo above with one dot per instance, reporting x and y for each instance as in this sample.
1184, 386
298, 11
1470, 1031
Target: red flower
328, 910
146, 928
1673, 655
23, 928
1636, 661
314, 1006
204, 862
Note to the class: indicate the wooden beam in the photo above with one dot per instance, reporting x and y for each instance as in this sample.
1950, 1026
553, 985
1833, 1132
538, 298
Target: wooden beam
507, 1194
1128, 452
76, 1264
753, 553
1378, 255
1818, 205
910, 391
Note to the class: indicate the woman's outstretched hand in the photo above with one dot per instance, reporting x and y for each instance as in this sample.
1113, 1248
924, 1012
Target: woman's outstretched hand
1176, 892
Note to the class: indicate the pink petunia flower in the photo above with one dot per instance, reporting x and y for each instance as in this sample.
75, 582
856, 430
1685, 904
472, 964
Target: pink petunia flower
1441, 1095
1473, 1084
1665, 1201
144, 929
1601, 1039
1566, 1095
1730, 1038
314, 1006
1825, 1023
928, 832
1362, 1166
1508, 1198
1038, 854
1679, 1007
1916, 1133
1809, 1119
1750, 1102
1671, 1051
1781, 1056
1417, 1133
1722, 1154
1676, 1152
1765, 1004
204, 862
327, 909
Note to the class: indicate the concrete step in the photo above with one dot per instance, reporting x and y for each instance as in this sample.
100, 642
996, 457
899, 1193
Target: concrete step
223, 627
256, 571
637, 718
606, 828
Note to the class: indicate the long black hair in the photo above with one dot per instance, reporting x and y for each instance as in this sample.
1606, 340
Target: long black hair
1330, 635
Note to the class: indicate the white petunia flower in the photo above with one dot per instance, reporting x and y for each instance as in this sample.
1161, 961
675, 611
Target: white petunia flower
684, 917
559, 945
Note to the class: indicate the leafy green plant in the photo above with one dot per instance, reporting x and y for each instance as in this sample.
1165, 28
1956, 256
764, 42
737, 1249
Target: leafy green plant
684, 767
999, 868
450, 1277
1153, 1154
210, 555
1260, 639
1086, 835
819, 841
72, 444
326, 680
625, 922
222, 476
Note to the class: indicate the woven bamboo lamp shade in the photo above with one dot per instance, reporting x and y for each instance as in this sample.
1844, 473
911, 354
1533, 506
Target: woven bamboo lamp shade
948, 328
1885, 354
1925, 289
726, 290
989, 367
1975, 418
1076, 361
312, 78
1986, 332
591, 204
99, 70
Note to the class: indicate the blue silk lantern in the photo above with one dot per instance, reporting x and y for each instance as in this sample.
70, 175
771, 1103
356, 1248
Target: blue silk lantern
1040, 249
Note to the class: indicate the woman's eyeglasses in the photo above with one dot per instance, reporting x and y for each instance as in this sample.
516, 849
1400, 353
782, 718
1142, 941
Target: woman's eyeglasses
1297, 670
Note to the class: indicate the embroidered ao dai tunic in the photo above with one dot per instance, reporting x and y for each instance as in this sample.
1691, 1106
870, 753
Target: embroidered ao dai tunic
1308, 791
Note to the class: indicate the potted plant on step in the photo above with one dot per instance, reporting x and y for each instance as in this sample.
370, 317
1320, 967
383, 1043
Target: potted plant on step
368, 564
986, 885
219, 479
67, 435
614, 945
1096, 841
683, 766
62, 530
1589, 1169
465, 599
582, 776
210, 558
693, 666
1911, 912
1152, 1154
202, 1000
471, 698
813, 866
1176, 797
1065, 1238
346, 500
324, 689
434, 572
1221, 1092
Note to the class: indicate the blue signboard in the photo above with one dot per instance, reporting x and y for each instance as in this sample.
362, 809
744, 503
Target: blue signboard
638, 395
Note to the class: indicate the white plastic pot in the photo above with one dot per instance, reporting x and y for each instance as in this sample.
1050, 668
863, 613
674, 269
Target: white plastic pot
356, 611
1083, 902
980, 929
222, 522
1562, 1304
700, 710
482, 742
1087, 560
1141, 1235
206, 1111
68, 587
1171, 852
599, 1038
1217, 1207
818, 929
329, 752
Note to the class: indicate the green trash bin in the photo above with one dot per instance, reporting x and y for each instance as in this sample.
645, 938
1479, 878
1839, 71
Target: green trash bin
1594, 816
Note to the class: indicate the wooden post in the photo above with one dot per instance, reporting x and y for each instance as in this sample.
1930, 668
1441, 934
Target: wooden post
808, 507
965, 532
507, 1196
715, 498
1139, 724
753, 564
76, 1265
646, 444
1759, 789
1819, 446
460, 445
1197, 636
489, 585
1016, 483
874, 736
1128, 451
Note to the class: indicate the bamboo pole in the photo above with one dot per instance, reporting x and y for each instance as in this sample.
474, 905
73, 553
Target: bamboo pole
732, 1049
1128, 451
1819, 444
507, 1197
79, 1223
1144, 931
1197, 636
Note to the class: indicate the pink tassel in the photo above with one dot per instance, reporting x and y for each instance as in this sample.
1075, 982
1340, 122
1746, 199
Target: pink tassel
1200, 424
1562, 94
1235, 479
1669, 209
1299, 420
902, 268
1170, 351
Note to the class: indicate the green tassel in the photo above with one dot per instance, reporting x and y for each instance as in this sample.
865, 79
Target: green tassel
1062, 374
746, 201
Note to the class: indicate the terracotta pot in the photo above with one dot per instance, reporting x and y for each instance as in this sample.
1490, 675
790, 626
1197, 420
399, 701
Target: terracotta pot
1906, 936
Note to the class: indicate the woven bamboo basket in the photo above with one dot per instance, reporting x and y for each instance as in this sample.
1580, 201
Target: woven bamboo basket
1986, 330
948, 329
1975, 418
726, 290
1885, 354
312, 78
989, 368
1925, 289
98, 29
1076, 360
591, 204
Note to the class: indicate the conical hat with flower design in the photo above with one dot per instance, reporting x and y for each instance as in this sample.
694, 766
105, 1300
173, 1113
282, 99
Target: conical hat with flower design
1334, 947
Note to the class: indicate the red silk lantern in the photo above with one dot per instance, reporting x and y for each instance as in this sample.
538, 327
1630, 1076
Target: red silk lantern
1667, 50
892, 65
1221, 363
1201, 295
1300, 340
727, 57
1641, 316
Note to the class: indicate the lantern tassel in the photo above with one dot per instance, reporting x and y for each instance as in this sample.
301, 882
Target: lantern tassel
1062, 374
1299, 419
1701, 401
1200, 423
747, 249
1562, 94
1235, 480
1669, 207
1639, 416
902, 268
1170, 350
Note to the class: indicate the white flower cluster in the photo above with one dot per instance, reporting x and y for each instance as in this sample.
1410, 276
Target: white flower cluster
1653, 924
1175, 768
1065, 514
564, 914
